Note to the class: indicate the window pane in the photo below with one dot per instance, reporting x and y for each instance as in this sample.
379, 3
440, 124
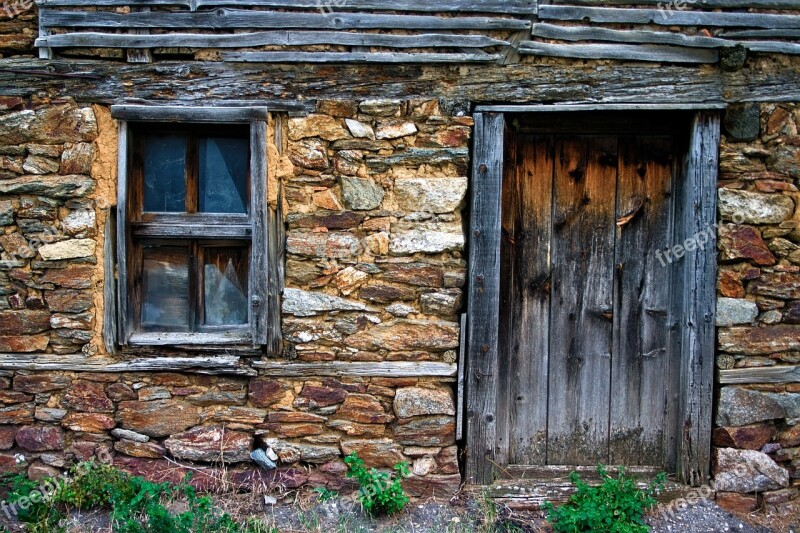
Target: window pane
165, 173
225, 291
165, 288
223, 174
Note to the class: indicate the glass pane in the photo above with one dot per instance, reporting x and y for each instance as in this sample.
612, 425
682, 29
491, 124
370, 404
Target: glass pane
165, 173
225, 291
165, 288
223, 174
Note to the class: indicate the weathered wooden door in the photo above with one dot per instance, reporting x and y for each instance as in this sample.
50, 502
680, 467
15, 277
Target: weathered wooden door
585, 294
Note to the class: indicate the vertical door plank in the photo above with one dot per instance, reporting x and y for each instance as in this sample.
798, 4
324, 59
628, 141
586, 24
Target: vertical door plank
527, 225
582, 293
484, 300
639, 365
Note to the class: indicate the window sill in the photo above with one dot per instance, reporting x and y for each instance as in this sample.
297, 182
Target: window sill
190, 339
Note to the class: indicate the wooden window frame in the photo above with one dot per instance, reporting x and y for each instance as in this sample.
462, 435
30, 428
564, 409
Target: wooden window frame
692, 319
259, 227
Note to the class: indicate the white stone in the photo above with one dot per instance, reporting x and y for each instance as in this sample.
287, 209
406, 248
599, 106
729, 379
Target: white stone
747, 471
79, 221
435, 195
298, 302
67, 249
731, 311
424, 466
401, 310
396, 130
359, 129
754, 207
415, 241
120, 433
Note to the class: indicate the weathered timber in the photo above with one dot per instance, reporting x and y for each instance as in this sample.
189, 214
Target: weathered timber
696, 4
559, 108
484, 299
222, 115
520, 7
139, 55
625, 52
224, 18
110, 327
259, 247
223, 364
204, 83
773, 47
232, 338
356, 57
192, 231
388, 369
770, 374
124, 309
668, 18
760, 34
266, 38
462, 363
581, 33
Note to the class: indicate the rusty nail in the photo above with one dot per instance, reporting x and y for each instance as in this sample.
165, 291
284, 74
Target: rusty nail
485, 348
483, 168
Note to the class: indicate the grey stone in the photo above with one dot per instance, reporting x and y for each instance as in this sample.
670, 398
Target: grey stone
746, 471
49, 414
415, 241
740, 407
790, 402
361, 194
742, 122
78, 222
36, 164
732, 311
771, 317
77, 159
260, 457
67, 249
6, 213
444, 303
380, 107
71, 186
298, 302
296, 451
359, 129
52, 125
436, 195
417, 401
401, 310
754, 207
127, 434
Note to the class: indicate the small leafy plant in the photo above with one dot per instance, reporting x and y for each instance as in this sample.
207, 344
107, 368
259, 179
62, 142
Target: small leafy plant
616, 506
381, 492
324, 494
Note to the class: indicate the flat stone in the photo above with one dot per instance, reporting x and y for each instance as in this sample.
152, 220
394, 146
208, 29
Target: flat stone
24, 322
356, 429
88, 422
400, 310
753, 207
383, 453
7, 434
407, 335
49, 125
395, 129
80, 222
332, 244
120, 392
434, 195
211, 444
782, 285
69, 300
786, 160
6, 213
127, 434
316, 125
418, 401
731, 311
39, 471
314, 397
40, 382
149, 450
425, 431
758, 340
416, 274
747, 471
298, 302
234, 415
61, 187
35, 164
348, 162
742, 407
263, 392
330, 220
296, 451
359, 129
349, 279
153, 393
72, 277
77, 158
87, 396
159, 418
380, 107
17, 246
447, 460
40, 439
361, 194
433, 486
424, 241
743, 242
337, 108
11, 397
789, 401
442, 303
72, 321
736, 503
309, 153
293, 430
327, 199
751, 437
386, 293
294, 417
363, 408
24, 343
218, 398
69, 249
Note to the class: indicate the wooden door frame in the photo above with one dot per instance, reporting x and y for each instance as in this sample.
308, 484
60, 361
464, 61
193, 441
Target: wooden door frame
692, 324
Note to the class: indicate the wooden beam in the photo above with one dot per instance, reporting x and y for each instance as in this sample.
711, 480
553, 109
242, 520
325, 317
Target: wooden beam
589, 33
484, 298
165, 113
223, 364
265, 38
625, 52
760, 34
559, 108
767, 374
385, 369
356, 57
772, 47
224, 18
258, 290
668, 18
110, 316
696, 4
231, 338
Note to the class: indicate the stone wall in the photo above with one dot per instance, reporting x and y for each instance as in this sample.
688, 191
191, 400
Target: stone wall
372, 193
757, 434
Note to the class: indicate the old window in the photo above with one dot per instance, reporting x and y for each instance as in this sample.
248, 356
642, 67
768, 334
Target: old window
192, 228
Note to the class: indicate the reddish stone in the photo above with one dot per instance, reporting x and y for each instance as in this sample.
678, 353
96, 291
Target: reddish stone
354, 429
314, 396
363, 408
752, 437
24, 344
87, 396
777, 120
339, 220
294, 417
17, 414
758, 340
264, 392
72, 277
774, 186
69, 301
426, 431
743, 242
38, 383
349, 387
8, 463
737, 503
9, 397
120, 392
405, 335
39, 471
729, 284
292, 430
23, 322
149, 450
416, 274
83, 450
789, 437
386, 294
211, 444
156, 470
375, 453
88, 422
784, 285
332, 475
159, 418
170, 380
7, 434
40, 438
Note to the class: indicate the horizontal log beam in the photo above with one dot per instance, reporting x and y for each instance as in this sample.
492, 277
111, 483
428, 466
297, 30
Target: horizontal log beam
355, 57
696, 4
80, 363
586, 33
624, 52
768, 374
388, 369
